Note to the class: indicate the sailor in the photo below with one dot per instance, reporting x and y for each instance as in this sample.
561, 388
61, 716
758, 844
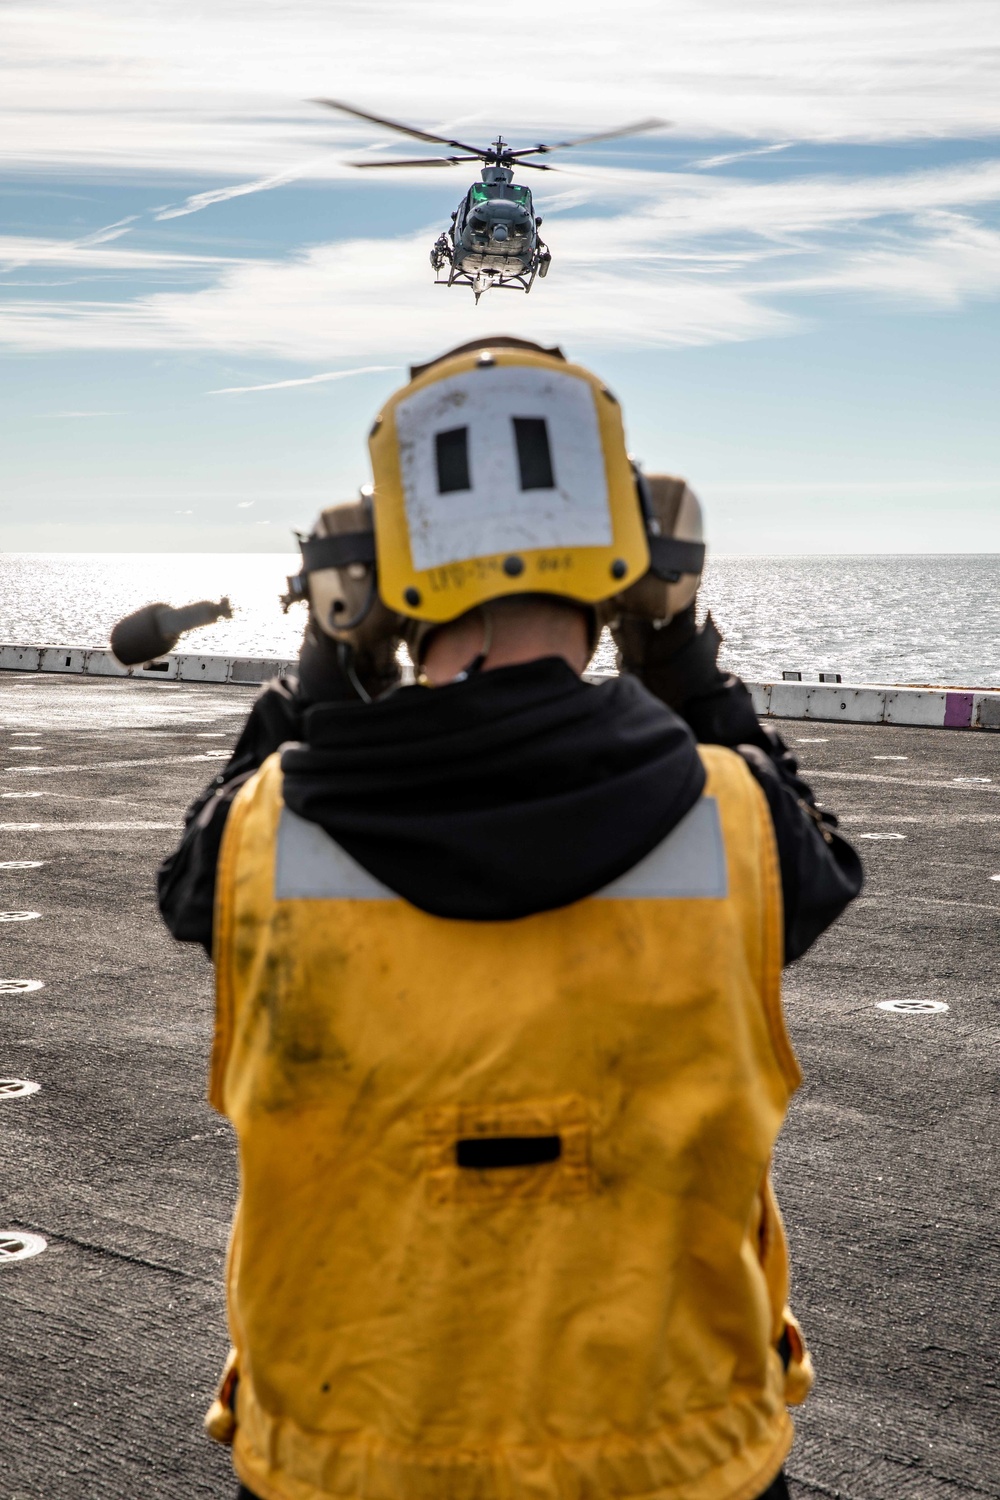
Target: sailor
498, 964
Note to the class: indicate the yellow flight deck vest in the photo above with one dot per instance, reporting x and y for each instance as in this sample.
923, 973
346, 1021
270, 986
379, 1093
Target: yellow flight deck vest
505, 1229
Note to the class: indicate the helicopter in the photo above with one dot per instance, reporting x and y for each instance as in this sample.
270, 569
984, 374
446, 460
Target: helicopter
493, 240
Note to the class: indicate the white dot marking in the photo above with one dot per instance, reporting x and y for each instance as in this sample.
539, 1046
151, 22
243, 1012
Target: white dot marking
17, 1088
914, 1007
16, 1245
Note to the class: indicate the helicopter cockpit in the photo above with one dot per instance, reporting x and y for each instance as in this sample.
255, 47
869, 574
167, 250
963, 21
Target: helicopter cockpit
483, 192
496, 218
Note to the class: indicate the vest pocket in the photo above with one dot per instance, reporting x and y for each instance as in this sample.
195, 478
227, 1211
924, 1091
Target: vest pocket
501, 1152
493, 1153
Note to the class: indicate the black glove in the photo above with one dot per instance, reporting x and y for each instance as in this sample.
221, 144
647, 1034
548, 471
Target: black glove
679, 665
331, 671
676, 661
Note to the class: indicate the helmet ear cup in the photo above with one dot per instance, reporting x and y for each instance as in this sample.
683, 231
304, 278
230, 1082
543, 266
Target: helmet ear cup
344, 600
675, 514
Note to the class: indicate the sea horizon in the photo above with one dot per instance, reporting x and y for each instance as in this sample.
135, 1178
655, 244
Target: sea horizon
906, 618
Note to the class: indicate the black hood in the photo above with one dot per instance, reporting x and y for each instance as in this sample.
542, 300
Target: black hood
516, 791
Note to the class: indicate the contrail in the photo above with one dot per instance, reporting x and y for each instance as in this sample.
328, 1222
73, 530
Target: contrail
99, 237
199, 201
723, 161
281, 385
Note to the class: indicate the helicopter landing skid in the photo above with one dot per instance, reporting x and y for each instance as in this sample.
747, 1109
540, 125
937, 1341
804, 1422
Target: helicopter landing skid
484, 281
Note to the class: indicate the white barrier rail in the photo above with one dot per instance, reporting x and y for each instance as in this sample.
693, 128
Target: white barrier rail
861, 703
936, 708
94, 662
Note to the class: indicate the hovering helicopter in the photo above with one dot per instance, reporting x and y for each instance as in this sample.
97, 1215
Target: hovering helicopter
493, 240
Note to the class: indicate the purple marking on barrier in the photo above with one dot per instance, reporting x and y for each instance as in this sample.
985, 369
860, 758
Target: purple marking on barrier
958, 711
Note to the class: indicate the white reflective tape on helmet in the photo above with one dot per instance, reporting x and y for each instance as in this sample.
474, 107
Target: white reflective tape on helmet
505, 435
503, 471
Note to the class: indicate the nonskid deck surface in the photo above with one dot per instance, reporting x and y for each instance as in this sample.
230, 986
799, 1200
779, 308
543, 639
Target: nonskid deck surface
110, 1340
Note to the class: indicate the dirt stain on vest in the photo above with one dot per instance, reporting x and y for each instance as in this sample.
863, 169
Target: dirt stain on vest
302, 1043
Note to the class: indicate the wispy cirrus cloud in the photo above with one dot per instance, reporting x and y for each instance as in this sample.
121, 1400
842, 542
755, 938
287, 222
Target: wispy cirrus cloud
95, 252
728, 157
308, 309
65, 251
198, 201
690, 256
210, 91
284, 385
688, 261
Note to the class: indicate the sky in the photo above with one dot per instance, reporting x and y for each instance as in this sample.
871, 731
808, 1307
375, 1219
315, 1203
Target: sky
793, 286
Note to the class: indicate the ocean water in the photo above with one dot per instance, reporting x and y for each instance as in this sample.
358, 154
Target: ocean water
900, 619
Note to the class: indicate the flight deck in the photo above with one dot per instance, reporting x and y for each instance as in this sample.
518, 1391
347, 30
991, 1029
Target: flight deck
112, 1336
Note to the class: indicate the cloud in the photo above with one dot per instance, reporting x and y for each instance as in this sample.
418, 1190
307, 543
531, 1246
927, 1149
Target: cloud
958, 259
69, 250
281, 385
198, 201
221, 89
674, 208
731, 156
313, 307
93, 252
688, 260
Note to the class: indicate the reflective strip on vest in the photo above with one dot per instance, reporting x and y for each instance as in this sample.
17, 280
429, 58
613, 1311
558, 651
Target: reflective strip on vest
311, 866
689, 864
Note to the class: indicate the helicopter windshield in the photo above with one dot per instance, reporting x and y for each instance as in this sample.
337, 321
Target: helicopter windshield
513, 192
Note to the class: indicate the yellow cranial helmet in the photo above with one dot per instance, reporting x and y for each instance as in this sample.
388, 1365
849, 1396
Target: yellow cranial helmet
502, 469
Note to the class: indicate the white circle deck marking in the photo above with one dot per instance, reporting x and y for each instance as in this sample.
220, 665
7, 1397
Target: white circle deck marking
890, 757
210, 734
16, 1244
914, 1007
20, 986
22, 864
995, 877
38, 749
17, 1088
9, 796
880, 835
822, 741
217, 754
19, 916
972, 778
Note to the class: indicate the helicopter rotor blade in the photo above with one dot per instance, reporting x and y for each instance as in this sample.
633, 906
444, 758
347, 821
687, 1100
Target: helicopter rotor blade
419, 135
536, 166
423, 161
601, 135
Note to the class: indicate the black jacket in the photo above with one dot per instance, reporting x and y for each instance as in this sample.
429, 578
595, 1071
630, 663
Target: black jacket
518, 790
